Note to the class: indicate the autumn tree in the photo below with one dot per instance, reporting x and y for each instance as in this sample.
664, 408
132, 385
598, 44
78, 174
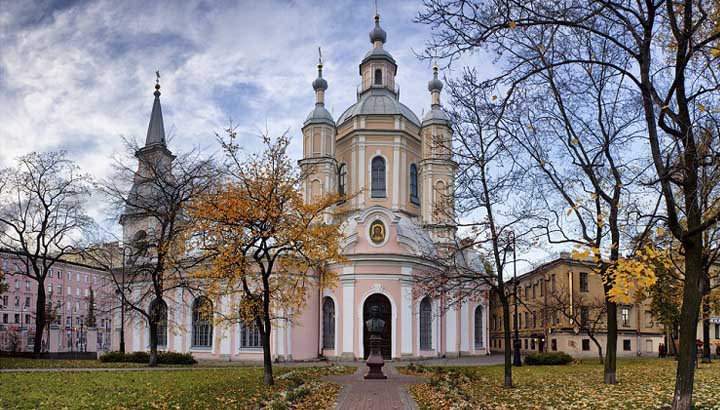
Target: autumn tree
669, 62
152, 198
42, 213
267, 247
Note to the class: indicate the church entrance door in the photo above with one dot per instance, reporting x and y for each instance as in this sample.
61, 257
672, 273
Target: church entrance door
383, 303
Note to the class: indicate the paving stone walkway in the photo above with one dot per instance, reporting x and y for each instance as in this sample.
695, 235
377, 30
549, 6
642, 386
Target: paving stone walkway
389, 394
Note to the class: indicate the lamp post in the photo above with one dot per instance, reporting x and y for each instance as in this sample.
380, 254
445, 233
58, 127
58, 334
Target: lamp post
516, 337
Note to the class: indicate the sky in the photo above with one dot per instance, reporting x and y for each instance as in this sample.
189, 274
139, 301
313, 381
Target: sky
79, 75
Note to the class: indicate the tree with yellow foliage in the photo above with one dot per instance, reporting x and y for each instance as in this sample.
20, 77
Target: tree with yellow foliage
266, 245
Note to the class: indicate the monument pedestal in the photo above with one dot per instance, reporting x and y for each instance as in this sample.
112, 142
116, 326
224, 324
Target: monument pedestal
375, 361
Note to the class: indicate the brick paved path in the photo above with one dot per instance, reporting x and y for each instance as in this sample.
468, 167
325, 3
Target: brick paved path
361, 394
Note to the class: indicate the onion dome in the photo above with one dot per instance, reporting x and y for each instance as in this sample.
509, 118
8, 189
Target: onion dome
435, 84
319, 84
377, 33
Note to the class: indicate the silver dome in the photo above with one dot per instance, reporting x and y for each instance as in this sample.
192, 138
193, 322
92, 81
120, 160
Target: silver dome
379, 101
319, 115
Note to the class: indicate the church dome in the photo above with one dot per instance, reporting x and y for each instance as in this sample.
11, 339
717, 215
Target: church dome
319, 115
377, 33
378, 54
379, 101
435, 116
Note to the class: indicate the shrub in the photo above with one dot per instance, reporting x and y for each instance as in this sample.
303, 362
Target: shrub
548, 359
144, 357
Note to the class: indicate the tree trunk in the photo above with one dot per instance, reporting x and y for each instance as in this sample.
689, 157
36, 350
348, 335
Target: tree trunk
610, 370
706, 358
685, 377
39, 316
508, 352
268, 379
153, 343
598, 345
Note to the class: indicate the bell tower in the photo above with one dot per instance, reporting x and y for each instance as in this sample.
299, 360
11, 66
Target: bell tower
437, 168
318, 164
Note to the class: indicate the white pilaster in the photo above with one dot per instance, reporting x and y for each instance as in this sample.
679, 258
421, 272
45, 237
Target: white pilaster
396, 173
225, 347
451, 329
136, 332
178, 321
406, 318
465, 327
348, 288
361, 170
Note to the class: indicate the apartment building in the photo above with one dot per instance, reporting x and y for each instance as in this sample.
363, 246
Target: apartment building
561, 308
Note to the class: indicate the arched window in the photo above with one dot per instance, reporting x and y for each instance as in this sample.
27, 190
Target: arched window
202, 327
159, 312
479, 331
378, 178
250, 336
342, 175
426, 324
328, 330
414, 198
378, 76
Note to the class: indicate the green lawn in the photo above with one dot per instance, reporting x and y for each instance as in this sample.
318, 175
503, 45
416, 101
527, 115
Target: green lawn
237, 388
23, 363
643, 384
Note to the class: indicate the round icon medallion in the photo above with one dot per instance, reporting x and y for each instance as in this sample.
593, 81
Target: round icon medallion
377, 232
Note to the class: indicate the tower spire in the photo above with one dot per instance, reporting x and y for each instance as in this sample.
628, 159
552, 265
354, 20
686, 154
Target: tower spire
320, 85
435, 86
156, 128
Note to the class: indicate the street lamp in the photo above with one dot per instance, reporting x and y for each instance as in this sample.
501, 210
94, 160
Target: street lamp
516, 337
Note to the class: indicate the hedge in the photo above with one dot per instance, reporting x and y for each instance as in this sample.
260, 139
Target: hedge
548, 359
144, 357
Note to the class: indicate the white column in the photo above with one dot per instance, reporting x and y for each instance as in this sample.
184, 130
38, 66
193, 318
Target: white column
288, 338
178, 322
136, 332
225, 330
405, 177
280, 338
486, 325
361, 170
406, 318
396, 173
348, 287
465, 327
451, 330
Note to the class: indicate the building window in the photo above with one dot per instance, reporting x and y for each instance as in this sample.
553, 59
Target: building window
17, 318
378, 76
414, 198
584, 316
717, 330
586, 345
342, 175
532, 344
250, 336
553, 345
159, 312
583, 282
527, 319
479, 331
627, 345
625, 314
27, 301
27, 285
328, 312
426, 324
201, 322
526, 344
378, 177
552, 282
649, 346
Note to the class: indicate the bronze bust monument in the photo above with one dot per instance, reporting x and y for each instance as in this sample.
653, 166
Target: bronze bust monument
375, 326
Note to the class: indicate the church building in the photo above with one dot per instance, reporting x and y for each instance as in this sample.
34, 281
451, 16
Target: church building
398, 174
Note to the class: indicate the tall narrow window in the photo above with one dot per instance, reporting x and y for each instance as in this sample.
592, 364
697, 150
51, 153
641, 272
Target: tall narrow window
202, 322
479, 331
378, 77
159, 313
250, 336
426, 324
342, 176
625, 313
414, 198
378, 178
584, 282
328, 331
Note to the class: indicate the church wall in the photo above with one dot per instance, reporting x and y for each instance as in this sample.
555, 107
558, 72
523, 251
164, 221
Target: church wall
305, 329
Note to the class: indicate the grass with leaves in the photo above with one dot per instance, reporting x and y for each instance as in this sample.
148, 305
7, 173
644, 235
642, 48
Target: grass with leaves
237, 388
643, 384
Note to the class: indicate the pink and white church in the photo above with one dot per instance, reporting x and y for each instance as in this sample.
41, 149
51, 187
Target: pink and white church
399, 170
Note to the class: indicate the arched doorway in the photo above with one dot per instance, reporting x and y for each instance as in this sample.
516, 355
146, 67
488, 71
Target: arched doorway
383, 303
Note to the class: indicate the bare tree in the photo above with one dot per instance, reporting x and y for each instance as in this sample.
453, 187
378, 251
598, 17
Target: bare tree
486, 178
153, 207
671, 67
41, 215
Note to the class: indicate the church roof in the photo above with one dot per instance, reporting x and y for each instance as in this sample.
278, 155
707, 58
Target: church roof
434, 116
319, 115
379, 101
156, 128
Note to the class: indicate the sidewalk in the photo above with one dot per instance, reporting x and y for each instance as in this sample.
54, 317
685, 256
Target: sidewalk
389, 394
